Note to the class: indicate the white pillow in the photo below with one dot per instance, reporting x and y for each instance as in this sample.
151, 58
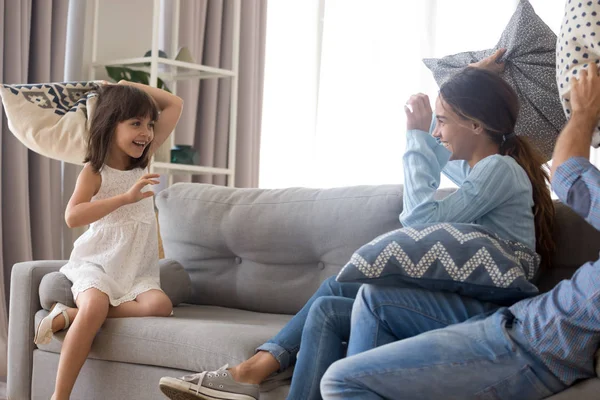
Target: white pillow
51, 119
578, 44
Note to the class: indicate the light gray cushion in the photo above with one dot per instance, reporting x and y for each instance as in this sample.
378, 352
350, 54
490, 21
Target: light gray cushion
106, 380
174, 281
196, 338
269, 250
583, 390
530, 70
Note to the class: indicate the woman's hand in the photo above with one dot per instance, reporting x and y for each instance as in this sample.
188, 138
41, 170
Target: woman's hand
492, 63
418, 112
135, 194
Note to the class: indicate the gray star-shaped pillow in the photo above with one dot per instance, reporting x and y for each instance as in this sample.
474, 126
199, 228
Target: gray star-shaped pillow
530, 62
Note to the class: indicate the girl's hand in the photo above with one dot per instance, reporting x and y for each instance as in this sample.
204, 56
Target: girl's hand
135, 194
419, 115
492, 63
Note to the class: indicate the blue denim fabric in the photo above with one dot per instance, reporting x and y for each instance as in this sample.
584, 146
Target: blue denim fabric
385, 314
324, 341
482, 358
285, 345
328, 327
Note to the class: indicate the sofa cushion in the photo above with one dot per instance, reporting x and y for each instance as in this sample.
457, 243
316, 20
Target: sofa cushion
587, 389
577, 242
196, 338
269, 250
174, 281
464, 258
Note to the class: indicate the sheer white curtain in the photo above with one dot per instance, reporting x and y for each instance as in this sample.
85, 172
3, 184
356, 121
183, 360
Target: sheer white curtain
338, 72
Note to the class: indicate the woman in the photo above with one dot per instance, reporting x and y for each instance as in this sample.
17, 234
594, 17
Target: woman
485, 156
536, 348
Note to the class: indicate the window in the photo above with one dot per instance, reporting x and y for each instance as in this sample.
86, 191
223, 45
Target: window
338, 73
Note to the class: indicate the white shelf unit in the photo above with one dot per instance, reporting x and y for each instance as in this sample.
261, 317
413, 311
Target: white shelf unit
174, 72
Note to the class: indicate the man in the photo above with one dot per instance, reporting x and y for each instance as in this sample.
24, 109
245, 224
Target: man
535, 348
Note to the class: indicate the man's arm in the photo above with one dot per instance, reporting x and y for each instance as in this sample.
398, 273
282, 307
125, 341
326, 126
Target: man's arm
574, 179
574, 141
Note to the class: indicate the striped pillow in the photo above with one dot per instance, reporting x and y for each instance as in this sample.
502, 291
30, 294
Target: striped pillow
51, 118
464, 258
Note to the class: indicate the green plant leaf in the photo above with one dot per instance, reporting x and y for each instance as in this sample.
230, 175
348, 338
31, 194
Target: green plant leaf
161, 84
115, 73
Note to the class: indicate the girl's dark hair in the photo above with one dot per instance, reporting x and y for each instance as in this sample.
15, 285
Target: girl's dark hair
117, 103
483, 97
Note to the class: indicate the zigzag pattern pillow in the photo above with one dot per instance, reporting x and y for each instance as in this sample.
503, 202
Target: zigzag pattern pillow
51, 118
464, 258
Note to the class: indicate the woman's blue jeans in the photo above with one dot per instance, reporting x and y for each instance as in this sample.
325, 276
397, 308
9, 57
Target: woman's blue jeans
316, 337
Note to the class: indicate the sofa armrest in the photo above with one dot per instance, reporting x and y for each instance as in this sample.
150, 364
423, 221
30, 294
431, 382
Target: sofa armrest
24, 304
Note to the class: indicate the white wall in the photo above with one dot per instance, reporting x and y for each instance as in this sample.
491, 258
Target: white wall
124, 31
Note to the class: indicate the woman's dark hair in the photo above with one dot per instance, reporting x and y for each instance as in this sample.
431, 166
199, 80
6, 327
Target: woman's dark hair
483, 97
117, 103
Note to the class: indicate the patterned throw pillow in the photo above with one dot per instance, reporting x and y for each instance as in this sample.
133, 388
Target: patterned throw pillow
530, 69
463, 258
51, 118
578, 45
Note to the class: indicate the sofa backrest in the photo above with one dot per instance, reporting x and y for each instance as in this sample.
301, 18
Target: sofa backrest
577, 243
268, 250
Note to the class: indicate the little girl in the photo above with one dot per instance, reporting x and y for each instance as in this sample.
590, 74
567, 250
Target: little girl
114, 265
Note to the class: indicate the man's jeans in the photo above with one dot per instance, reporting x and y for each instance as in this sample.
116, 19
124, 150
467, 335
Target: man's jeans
323, 327
482, 358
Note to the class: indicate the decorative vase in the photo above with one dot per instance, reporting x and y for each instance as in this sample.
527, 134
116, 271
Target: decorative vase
184, 54
184, 154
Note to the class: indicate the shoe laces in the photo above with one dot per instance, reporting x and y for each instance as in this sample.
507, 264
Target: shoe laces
199, 377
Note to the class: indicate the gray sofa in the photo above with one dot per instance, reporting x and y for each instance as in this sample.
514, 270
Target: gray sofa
254, 257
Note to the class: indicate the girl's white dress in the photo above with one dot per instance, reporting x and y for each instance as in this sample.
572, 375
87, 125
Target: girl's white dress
118, 254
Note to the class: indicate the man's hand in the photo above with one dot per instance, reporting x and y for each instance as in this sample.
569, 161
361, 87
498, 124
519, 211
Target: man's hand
585, 94
492, 63
419, 115
576, 137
